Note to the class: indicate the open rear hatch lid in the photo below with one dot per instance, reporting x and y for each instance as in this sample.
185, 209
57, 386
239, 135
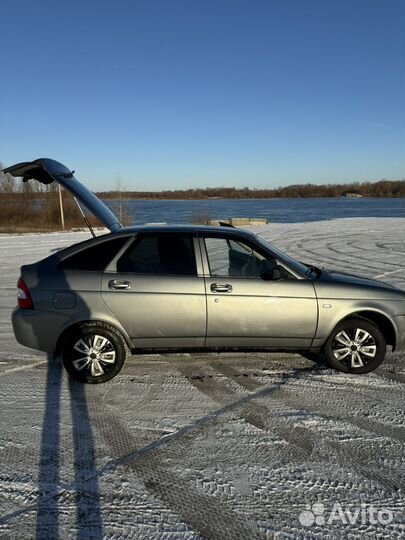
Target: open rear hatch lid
47, 171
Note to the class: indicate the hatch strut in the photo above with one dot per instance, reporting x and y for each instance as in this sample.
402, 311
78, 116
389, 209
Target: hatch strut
85, 217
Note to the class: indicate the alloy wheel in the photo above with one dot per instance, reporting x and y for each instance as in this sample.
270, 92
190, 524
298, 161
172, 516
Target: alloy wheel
354, 346
95, 354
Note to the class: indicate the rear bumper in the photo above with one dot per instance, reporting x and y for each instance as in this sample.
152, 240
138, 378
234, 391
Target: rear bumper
37, 329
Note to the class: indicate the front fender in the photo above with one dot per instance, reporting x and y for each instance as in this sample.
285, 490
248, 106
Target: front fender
332, 311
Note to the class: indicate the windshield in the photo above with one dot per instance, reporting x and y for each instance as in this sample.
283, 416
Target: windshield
297, 266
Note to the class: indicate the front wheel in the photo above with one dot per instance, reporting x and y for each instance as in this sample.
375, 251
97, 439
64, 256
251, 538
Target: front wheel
355, 346
93, 353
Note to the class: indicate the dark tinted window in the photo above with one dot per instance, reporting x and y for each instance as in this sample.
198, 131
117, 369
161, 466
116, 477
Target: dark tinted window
94, 257
159, 254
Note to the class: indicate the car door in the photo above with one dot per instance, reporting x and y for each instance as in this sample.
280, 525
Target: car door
245, 310
156, 290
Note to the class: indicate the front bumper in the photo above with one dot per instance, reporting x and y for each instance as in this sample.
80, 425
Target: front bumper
399, 323
38, 329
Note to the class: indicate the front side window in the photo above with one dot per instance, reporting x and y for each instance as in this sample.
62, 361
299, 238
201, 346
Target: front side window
233, 258
160, 254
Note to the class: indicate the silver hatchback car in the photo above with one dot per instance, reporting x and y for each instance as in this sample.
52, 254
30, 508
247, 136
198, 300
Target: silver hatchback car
190, 288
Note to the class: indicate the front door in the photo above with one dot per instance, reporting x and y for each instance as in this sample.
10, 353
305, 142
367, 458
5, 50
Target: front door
245, 310
155, 292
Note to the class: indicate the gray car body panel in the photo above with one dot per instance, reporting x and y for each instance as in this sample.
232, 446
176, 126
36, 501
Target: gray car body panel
341, 295
261, 313
183, 311
159, 311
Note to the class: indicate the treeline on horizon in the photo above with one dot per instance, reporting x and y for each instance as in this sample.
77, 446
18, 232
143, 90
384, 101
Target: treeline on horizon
11, 188
382, 188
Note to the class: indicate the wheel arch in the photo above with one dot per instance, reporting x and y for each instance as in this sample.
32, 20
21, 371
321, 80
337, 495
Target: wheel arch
78, 324
382, 321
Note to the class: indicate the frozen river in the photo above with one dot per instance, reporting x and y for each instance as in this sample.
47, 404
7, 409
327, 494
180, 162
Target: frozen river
296, 210
214, 446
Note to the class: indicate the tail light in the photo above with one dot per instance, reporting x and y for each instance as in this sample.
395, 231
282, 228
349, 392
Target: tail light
23, 295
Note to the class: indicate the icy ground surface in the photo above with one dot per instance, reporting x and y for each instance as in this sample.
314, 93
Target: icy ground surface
206, 446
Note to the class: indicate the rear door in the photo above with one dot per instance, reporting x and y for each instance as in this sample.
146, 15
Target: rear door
156, 290
245, 310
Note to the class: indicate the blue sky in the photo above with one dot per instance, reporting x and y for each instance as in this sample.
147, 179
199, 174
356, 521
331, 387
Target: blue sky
170, 94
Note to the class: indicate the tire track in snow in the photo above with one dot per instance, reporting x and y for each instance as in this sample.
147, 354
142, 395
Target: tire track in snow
162, 483
205, 514
391, 480
300, 443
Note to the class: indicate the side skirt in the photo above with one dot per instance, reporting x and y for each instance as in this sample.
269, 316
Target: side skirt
163, 350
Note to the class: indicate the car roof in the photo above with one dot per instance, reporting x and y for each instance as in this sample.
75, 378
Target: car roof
191, 229
156, 228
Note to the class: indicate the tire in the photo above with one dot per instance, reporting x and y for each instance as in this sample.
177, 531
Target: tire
355, 346
93, 353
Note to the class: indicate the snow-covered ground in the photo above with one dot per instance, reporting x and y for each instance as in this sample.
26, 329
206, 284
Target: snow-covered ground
207, 446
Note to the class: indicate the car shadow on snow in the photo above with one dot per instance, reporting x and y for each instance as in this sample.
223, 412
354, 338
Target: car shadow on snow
53, 493
317, 358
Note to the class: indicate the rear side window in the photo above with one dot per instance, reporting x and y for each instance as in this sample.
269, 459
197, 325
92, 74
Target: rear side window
96, 257
165, 254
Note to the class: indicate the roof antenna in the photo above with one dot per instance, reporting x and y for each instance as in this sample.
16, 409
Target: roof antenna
85, 217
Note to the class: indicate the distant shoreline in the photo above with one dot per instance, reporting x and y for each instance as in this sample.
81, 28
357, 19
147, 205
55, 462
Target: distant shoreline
18, 197
380, 189
117, 198
255, 228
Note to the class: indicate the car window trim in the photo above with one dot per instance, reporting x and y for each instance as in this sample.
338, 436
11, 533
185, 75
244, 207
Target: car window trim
112, 267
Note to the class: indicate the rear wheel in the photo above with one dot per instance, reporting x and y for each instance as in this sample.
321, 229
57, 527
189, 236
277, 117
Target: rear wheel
355, 346
93, 353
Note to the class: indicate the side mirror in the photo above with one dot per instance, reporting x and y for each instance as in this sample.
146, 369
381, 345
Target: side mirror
274, 274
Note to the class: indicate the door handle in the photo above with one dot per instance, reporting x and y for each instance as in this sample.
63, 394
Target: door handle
119, 284
221, 287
